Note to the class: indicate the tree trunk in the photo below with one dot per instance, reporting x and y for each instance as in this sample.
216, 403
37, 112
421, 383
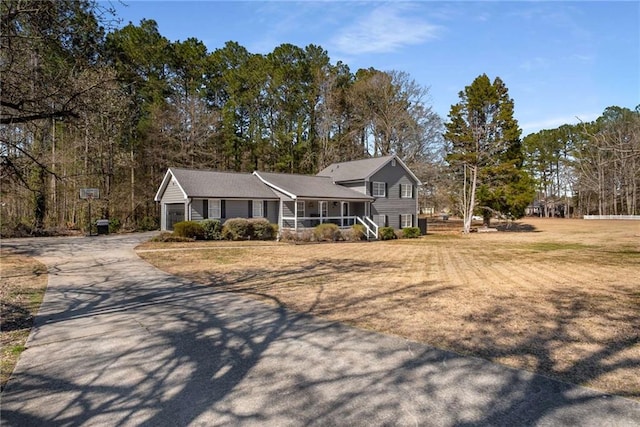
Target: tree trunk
133, 184
470, 202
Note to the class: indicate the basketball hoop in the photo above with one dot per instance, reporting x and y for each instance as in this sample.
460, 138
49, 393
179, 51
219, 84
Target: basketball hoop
89, 194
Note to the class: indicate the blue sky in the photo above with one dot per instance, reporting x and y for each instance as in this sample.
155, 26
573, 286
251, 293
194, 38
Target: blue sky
560, 60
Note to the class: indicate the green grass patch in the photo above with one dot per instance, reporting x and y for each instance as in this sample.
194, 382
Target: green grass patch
556, 246
17, 349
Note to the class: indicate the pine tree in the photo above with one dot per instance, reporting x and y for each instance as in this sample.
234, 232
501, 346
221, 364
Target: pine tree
485, 154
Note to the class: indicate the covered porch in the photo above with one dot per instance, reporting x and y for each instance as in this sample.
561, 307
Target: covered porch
309, 213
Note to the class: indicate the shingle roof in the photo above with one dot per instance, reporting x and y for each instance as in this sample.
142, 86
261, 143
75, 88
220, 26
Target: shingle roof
306, 186
354, 170
359, 170
228, 185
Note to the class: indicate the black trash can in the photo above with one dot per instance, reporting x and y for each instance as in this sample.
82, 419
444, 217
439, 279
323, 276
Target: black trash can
422, 225
103, 226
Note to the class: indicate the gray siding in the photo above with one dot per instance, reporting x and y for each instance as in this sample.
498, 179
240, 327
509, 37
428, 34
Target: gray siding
197, 212
287, 208
272, 211
236, 209
358, 186
393, 205
172, 194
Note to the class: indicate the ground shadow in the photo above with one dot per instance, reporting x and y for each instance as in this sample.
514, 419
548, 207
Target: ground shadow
196, 354
515, 227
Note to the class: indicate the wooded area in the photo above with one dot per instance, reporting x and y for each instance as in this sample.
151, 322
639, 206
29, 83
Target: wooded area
88, 105
588, 168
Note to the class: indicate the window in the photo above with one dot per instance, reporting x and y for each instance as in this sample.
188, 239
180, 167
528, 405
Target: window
379, 189
322, 209
393, 162
406, 220
257, 209
380, 220
406, 191
214, 209
300, 206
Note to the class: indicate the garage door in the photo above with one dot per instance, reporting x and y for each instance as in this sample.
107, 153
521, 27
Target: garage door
175, 213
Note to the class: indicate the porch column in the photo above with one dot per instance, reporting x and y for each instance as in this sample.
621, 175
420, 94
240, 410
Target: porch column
295, 215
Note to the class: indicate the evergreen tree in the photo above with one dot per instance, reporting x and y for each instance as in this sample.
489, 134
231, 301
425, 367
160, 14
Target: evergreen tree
484, 151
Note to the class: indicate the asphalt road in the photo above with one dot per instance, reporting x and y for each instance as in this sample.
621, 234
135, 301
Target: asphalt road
119, 343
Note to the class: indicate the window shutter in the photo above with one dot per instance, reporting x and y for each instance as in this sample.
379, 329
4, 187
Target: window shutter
223, 209
413, 191
386, 191
400, 223
250, 207
264, 208
205, 209
371, 188
400, 194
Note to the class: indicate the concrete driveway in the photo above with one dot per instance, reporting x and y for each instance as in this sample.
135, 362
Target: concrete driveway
118, 342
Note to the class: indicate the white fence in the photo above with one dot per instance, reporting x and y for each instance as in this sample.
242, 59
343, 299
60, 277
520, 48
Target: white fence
636, 217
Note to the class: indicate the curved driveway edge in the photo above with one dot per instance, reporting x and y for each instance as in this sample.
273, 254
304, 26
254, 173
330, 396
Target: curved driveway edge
118, 342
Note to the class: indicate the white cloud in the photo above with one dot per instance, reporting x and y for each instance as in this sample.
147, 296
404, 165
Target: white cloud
385, 29
536, 63
582, 58
554, 122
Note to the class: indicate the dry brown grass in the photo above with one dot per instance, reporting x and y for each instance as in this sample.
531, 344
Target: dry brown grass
23, 281
560, 298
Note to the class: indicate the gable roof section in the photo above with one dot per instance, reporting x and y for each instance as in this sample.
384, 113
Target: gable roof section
361, 170
217, 185
163, 186
307, 186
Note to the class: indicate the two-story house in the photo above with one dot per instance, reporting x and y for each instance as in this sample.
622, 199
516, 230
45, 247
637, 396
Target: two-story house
374, 192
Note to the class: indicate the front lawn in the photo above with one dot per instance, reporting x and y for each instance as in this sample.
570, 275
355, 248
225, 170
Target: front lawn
23, 281
555, 296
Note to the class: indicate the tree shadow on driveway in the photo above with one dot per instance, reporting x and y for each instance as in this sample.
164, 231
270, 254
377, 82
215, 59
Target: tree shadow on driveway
118, 342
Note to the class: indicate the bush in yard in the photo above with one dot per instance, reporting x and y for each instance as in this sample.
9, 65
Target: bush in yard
350, 235
299, 237
262, 229
190, 229
148, 223
410, 232
170, 237
114, 225
212, 229
237, 229
326, 232
358, 231
387, 233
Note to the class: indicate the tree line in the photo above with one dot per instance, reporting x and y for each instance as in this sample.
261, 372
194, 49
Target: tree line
87, 104
590, 168
87, 107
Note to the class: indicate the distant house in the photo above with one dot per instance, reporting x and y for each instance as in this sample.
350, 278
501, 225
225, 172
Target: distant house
373, 192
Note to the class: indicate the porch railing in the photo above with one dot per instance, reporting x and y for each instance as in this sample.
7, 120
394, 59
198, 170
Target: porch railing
303, 222
370, 226
312, 221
